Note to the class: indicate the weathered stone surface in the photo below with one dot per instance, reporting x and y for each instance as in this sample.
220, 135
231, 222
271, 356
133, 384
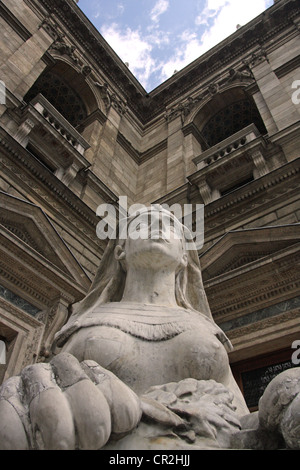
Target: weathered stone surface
159, 330
278, 395
12, 432
276, 424
125, 407
290, 424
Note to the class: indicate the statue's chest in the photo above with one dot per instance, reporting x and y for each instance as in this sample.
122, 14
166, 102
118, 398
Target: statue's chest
141, 364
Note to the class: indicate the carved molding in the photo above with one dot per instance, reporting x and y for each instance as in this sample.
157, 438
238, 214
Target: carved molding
46, 186
14, 23
28, 331
50, 25
182, 109
240, 75
264, 324
65, 49
224, 312
258, 193
111, 99
262, 30
23, 282
256, 58
271, 277
41, 279
19, 314
136, 155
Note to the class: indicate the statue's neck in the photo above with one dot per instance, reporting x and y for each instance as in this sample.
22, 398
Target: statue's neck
150, 287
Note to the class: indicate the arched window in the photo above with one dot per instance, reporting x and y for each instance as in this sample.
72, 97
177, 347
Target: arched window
230, 120
2, 352
225, 114
61, 95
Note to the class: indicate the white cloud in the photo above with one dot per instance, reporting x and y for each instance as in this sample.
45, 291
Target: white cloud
182, 57
217, 21
131, 48
225, 14
157, 38
212, 7
188, 35
159, 8
233, 12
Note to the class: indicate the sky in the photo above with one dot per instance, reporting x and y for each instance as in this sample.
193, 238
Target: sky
156, 38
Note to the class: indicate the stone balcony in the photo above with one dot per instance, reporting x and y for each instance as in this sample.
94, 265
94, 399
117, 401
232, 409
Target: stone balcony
57, 142
233, 143
59, 123
242, 155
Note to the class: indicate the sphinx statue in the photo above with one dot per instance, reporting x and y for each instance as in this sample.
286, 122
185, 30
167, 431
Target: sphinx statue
141, 364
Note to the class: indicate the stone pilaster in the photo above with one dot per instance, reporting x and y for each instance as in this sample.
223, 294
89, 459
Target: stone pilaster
176, 173
278, 101
17, 70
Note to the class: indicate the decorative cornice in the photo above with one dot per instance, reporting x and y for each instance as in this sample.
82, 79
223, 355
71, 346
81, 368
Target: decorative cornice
234, 294
49, 24
255, 34
43, 287
23, 284
95, 115
264, 294
263, 324
151, 152
90, 179
255, 188
20, 314
48, 187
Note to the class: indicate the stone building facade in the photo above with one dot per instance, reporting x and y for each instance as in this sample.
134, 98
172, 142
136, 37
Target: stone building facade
78, 130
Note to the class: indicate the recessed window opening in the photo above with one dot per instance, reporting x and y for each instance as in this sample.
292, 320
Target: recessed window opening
61, 95
231, 119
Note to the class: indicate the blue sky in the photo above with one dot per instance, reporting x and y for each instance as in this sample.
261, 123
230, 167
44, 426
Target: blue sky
158, 37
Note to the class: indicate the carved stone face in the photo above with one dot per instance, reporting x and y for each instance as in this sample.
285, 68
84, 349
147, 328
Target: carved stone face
155, 241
